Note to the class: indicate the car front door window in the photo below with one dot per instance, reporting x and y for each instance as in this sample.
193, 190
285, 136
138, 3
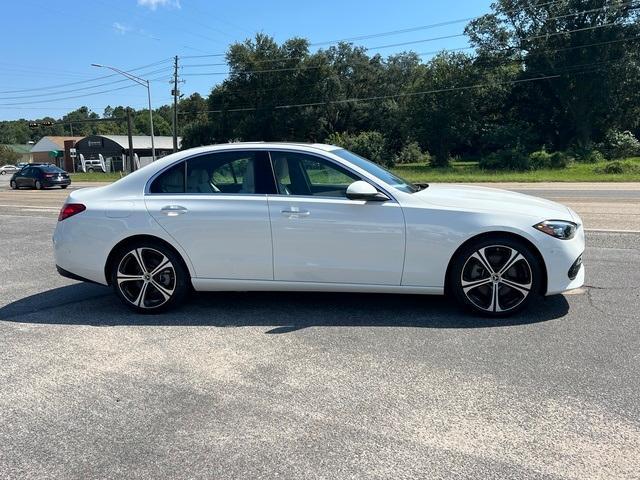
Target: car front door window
301, 174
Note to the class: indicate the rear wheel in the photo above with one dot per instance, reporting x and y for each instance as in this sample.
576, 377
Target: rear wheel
89, 170
63, 186
3, 172
496, 277
149, 277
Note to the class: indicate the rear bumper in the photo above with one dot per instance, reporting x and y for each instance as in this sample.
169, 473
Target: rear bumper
73, 276
56, 183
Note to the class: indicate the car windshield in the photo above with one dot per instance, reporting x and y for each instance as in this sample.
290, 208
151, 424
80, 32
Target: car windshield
377, 171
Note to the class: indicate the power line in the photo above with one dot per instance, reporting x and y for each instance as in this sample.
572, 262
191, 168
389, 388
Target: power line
81, 82
78, 96
540, 77
83, 88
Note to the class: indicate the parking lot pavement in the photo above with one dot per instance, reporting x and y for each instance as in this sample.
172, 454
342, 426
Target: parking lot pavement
289, 385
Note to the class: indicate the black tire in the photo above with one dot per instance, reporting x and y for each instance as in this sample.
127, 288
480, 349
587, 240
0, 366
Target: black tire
38, 185
3, 172
13, 185
63, 186
89, 170
496, 291
173, 281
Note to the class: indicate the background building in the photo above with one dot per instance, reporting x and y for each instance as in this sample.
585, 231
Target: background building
114, 148
51, 149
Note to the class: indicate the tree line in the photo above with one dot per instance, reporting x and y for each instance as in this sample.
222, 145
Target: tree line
560, 76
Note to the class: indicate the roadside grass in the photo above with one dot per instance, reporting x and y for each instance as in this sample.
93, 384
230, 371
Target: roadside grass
468, 172
95, 177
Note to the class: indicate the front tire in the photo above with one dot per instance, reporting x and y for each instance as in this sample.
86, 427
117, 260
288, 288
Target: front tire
149, 278
38, 185
63, 186
3, 172
496, 277
13, 185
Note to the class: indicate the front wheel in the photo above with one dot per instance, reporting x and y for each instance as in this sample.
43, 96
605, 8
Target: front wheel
3, 172
38, 185
149, 277
496, 277
63, 186
13, 185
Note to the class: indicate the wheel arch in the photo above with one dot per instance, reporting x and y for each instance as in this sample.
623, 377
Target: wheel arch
498, 234
124, 243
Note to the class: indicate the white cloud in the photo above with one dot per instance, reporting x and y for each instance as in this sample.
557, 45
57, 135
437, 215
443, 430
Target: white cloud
120, 28
154, 4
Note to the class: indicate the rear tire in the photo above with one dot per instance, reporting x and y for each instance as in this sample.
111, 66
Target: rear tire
149, 278
3, 172
496, 277
63, 186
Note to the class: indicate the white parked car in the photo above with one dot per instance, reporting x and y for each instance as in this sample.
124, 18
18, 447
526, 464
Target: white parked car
297, 217
8, 169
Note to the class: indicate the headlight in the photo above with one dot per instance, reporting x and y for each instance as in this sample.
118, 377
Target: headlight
558, 228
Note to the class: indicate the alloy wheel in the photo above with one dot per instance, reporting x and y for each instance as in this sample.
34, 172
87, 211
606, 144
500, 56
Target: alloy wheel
496, 278
146, 278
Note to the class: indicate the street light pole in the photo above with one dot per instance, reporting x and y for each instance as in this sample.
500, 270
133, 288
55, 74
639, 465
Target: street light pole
144, 83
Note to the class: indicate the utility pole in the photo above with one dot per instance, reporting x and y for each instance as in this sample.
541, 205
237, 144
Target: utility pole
132, 163
175, 94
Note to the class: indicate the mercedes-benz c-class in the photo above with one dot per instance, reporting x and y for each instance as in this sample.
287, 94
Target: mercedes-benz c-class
299, 217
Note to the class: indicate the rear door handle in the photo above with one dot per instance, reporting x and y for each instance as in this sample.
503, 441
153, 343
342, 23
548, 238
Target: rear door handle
173, 210
295, 212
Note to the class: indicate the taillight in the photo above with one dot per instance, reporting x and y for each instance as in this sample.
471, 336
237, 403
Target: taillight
70, 209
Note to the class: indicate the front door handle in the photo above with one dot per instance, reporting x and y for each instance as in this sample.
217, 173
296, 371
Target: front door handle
295, 212
173, 210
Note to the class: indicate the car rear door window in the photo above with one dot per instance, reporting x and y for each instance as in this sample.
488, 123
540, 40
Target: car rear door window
170, 181
233, 172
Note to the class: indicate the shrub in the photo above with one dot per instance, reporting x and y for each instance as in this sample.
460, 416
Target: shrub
508, 159
371, 145
559, 160
593, 156
411, 153
617, 167
539, 160
620, 145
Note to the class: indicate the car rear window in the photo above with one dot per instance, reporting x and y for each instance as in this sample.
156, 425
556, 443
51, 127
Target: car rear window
52, 169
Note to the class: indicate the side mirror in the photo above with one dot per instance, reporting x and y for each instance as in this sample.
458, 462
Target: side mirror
365, 191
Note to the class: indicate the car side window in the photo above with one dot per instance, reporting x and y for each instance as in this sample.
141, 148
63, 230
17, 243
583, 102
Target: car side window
308, 175
170, 181
233, 172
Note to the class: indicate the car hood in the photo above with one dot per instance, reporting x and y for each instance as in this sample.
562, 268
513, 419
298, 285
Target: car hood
472, 198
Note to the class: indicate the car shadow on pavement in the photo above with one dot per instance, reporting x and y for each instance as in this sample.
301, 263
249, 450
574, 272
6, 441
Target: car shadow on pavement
88, 304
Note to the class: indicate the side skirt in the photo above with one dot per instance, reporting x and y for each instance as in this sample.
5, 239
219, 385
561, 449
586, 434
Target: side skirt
218, 285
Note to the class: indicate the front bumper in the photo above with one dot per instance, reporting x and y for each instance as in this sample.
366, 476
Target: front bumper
563, 260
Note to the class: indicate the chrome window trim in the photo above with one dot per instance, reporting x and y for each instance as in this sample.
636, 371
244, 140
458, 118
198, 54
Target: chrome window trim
147, 186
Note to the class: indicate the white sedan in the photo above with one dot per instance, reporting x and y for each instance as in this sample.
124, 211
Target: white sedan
4, 169
298, 217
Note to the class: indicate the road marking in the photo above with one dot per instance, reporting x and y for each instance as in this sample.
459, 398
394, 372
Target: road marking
605, 230
37, 207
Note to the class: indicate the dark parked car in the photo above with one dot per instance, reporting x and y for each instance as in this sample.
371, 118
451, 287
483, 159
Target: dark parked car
40, 176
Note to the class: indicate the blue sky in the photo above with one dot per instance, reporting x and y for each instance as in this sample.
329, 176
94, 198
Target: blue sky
48, 45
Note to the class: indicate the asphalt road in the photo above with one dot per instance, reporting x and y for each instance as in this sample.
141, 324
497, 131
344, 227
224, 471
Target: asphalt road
289, 385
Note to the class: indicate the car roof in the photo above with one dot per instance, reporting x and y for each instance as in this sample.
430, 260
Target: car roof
317, 146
